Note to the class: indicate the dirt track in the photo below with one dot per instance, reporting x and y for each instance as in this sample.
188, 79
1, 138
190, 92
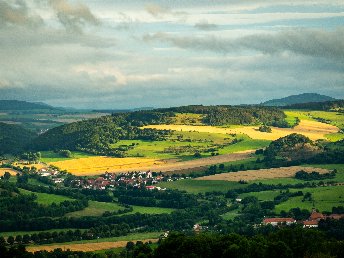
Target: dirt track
87, 247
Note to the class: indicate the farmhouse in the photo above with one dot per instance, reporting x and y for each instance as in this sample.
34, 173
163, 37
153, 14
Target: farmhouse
278, 221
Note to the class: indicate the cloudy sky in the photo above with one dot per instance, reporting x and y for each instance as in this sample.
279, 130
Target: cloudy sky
123, 54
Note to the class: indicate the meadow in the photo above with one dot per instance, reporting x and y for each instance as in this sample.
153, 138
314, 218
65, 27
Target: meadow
51, 156
47, 199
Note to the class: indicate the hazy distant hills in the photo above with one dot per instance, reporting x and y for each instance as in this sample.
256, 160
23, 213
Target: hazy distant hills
298, 99
22, 105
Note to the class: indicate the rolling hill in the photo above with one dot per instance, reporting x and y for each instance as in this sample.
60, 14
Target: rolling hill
298, 99
11, 105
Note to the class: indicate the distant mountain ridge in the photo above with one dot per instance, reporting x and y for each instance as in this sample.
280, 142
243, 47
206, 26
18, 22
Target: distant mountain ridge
298, 99
22, 105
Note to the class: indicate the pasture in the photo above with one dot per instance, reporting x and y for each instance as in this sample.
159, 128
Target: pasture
47, 199
96, 209
201, 186
51, 156
323, 198
258, 174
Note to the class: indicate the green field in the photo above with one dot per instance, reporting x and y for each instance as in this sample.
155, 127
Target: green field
96, 209
201, 186
50, 156
150, 210
129, 237
47, 199
193, 141
324, 198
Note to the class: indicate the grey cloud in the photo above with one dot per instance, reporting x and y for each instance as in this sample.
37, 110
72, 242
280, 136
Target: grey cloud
319, 43
73, 17
17, 13
204, 25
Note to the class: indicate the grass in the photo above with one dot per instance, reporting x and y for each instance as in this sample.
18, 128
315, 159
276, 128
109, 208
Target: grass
50, 156
201, 186
150, 210
129, 237
47, 199
324, 198
98, 208
95, 209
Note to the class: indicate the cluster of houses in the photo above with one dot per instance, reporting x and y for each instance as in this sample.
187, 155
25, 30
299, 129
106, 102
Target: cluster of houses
53, 174
147, 180
311, 222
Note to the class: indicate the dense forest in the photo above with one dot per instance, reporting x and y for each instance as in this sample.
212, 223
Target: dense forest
325, 106
14, 138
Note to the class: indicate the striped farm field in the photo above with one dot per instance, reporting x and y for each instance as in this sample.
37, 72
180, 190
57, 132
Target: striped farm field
249, 175
313, 129
100, 164
85, 247
9, 170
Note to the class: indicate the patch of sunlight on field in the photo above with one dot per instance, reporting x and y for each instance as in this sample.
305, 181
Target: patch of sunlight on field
38, 166
312, 129
100, 164
262, 174
9, 170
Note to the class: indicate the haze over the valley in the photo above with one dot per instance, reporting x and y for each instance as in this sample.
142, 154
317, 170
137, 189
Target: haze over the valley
123, 54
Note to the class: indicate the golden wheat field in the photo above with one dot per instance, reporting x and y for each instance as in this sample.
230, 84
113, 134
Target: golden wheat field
87, 247
312, 129
270, 173
101, 164
10, 170
38, 166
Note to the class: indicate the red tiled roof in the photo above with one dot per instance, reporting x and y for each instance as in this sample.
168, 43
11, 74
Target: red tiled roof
310, 222
316, 215
278, 220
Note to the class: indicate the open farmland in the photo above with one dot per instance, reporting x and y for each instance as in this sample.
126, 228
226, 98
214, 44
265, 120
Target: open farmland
313, 129
87, 247
9, 170
99, 165
250, 175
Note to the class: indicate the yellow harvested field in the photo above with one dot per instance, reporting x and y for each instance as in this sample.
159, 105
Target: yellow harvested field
101, 164
87, 247
258, 174
10, 170
312, 129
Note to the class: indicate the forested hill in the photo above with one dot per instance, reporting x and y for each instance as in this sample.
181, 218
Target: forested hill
97, 135
12, 105
298, 99
325, 106
14, 138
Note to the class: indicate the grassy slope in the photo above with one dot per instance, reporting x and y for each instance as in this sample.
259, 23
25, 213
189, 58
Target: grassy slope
47, 199
201, 186
50, 156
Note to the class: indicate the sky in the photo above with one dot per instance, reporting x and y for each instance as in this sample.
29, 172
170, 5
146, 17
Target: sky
125, 54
